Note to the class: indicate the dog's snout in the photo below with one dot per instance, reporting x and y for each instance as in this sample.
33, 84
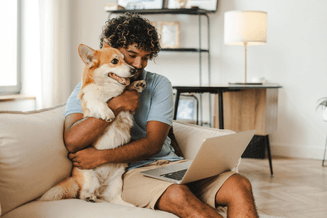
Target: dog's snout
132, 71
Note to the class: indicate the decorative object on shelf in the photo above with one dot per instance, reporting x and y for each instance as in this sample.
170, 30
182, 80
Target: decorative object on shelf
141, 4
210, 5
182, 3
322, 102
113, 7
188, 109
245, 28
165, 4
169, 34
260, 80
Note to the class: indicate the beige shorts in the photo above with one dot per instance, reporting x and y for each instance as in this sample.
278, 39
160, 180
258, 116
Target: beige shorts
144, 191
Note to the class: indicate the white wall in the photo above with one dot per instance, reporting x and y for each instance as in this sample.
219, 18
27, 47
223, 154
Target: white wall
295, 57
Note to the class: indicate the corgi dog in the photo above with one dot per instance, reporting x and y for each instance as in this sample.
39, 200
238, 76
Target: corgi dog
105, 76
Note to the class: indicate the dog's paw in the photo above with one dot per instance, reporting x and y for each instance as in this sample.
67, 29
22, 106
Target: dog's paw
138, 86
87, 196
108, 115
103, 112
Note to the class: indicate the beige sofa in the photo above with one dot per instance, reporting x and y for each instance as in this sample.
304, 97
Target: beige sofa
33, 158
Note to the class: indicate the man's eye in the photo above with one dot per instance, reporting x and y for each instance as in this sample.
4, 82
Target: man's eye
115, 61
132, 56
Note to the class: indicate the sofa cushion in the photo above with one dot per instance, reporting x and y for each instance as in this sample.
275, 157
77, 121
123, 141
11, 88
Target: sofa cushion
82, 209
33, 157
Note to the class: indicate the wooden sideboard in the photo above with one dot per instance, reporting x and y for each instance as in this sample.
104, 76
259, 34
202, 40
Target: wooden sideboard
248, 109
241, 108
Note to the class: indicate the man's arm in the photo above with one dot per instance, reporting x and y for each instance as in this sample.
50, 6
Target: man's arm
137, 150
80, 133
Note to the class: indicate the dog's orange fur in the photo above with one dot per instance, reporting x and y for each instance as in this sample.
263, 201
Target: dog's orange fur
102, 58
66, 184
78, 176
88, 75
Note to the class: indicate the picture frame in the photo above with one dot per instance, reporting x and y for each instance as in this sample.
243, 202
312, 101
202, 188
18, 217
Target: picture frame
169, 34
140, 4
209, 5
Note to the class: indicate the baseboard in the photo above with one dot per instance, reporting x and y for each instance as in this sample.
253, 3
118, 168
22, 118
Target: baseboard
297, 152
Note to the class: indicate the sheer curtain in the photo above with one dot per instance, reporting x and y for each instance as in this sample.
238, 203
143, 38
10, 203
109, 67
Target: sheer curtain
46, 65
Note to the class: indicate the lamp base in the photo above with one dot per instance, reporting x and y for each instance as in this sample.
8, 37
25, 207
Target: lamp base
244, 84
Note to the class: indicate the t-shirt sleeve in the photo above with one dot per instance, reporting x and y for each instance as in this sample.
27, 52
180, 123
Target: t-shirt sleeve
73, 104
162, 104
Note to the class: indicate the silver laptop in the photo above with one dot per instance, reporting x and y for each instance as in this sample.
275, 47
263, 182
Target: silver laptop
216, 155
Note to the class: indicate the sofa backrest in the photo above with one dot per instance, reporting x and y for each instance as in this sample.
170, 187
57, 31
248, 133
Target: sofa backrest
33, 157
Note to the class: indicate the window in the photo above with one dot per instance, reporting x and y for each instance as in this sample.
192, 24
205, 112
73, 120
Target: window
10, 55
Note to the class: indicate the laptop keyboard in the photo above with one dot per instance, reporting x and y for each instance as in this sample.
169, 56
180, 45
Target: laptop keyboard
178, 175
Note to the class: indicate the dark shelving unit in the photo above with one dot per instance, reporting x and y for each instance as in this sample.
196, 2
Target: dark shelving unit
193, 12
188, 11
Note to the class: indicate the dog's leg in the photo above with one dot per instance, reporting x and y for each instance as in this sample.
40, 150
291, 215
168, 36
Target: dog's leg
90, 185
68, 188
95, 107
102, 111
113, 191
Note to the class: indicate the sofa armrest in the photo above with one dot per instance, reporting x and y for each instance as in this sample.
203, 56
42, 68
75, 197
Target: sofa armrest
190, 137
33, 156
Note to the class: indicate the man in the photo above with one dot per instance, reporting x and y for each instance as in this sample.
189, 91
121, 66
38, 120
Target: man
138, 40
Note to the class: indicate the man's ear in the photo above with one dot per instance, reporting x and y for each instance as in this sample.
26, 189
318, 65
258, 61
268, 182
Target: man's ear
87, 54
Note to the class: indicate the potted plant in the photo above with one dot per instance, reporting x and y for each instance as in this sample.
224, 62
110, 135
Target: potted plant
323, 104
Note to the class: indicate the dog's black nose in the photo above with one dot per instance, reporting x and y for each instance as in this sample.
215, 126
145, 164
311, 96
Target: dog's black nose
133, 71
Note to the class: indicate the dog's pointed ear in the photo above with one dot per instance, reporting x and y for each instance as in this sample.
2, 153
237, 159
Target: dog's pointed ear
105, 43
87, 54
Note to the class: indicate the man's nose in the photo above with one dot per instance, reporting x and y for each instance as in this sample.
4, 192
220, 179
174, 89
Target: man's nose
137, 63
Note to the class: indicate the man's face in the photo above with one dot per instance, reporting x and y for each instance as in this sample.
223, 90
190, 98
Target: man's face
136, 58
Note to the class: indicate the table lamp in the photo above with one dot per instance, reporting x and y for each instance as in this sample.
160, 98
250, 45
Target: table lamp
245, 28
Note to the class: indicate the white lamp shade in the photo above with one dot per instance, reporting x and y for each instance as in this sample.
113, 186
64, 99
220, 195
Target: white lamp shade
245, 27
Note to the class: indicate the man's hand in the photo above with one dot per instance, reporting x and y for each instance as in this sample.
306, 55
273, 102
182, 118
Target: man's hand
87, 158
128, 101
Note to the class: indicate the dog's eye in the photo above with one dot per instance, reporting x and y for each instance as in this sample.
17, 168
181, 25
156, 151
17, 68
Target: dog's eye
115, 61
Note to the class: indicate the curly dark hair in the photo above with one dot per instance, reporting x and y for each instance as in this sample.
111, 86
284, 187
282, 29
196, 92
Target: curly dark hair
129, 29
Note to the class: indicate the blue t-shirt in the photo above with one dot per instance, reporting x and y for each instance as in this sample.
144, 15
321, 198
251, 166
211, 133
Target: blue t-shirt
156, 104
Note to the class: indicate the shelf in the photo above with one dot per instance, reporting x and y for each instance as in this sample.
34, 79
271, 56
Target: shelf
198, 49
191, 11
184, 50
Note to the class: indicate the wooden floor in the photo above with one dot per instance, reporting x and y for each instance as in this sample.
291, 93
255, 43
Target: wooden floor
298, 188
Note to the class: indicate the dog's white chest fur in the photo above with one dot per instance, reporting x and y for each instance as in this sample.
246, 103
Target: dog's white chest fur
117, 134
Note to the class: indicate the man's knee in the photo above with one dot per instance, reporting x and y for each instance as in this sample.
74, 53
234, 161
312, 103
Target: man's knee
177, 193
237, 188
174, 195
241, 183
